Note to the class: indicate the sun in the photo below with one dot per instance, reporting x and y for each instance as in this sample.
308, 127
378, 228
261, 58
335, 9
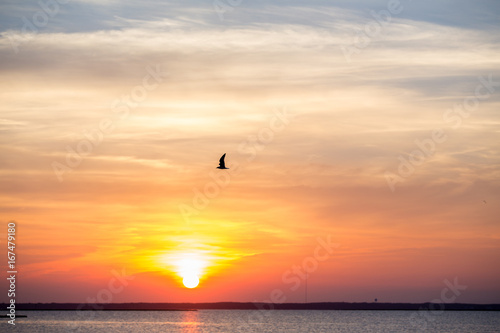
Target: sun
191, 281
190, 268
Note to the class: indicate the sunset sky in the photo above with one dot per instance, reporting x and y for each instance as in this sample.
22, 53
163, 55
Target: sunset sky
372, 126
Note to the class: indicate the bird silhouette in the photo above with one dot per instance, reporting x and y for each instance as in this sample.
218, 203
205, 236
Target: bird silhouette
222, 164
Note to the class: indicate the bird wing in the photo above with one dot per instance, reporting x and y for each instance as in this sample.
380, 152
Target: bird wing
221, 161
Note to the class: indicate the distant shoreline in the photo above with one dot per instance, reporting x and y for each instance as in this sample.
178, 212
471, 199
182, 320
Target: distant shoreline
252, 306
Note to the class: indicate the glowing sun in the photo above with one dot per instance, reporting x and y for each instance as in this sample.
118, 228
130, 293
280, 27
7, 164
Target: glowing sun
191, 281
190, 268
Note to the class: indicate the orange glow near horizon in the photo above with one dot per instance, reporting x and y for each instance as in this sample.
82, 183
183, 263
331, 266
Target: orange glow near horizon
191, 259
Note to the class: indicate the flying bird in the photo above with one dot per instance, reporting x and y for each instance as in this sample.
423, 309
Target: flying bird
222, 164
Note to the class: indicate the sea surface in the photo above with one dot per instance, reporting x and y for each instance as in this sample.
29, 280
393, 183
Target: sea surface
208, 321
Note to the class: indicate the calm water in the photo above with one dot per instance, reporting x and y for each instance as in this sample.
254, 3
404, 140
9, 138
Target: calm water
255, 321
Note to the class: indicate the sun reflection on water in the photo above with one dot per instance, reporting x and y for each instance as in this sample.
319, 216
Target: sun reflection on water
190, 322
